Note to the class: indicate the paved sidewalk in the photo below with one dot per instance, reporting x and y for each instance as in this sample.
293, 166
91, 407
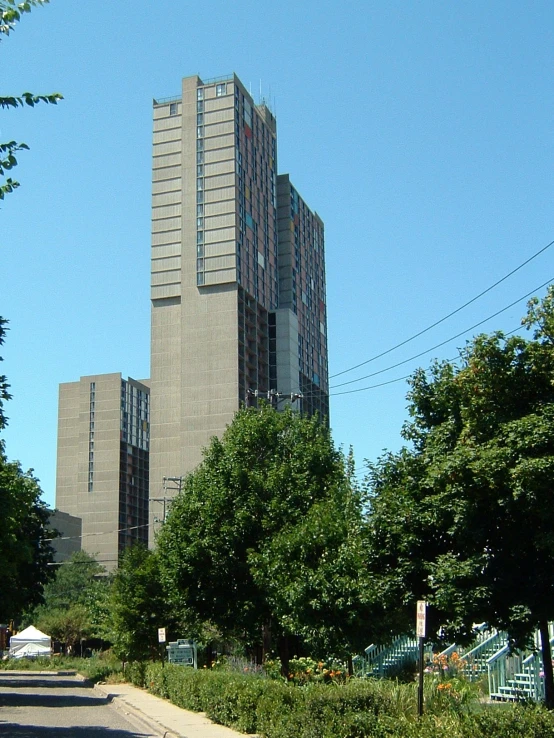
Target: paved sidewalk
161, 716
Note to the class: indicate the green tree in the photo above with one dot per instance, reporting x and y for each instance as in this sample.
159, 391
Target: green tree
465, 518
24, 535
270, 474
10, 14
24, 549
70, 626
72, 599
138, 606
316, 579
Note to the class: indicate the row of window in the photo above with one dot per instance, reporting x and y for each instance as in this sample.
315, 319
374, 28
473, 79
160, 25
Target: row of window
92, 400
220, 90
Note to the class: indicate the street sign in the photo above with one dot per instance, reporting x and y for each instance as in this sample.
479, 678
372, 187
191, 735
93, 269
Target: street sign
420, 619
182, 651
161, 635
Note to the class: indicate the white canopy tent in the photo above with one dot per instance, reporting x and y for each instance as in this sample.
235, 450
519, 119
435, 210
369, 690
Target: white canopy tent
30, 642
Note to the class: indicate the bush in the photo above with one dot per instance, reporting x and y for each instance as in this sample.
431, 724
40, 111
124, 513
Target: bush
360, 708
135, 671
99, 667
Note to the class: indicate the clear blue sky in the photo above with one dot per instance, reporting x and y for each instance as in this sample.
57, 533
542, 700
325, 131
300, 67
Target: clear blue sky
421, 132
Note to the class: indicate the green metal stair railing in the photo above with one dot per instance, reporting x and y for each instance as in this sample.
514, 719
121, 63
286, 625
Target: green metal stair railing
475, 660
517, 676
379, 659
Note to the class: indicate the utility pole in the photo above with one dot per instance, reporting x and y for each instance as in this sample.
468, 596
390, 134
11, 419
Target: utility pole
273, 396
170, 485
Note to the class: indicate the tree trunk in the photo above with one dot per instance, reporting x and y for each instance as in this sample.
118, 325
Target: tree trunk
266, 640
350, 665
209, 654
547, 665
284, 655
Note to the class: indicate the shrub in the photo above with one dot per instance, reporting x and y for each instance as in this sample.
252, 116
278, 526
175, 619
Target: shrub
135, 671
99, 667
359, 708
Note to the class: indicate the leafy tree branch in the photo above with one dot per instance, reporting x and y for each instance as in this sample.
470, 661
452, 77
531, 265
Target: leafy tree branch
10, 14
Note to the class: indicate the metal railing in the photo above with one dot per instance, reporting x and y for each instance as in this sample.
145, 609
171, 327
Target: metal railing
379, 659
163, 100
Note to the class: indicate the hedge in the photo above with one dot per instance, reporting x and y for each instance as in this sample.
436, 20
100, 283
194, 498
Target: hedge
358, 709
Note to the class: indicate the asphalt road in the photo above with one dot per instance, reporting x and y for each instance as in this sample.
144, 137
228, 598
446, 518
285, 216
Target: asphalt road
52, 706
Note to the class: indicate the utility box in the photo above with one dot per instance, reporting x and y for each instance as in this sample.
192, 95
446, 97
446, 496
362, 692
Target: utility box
182, 651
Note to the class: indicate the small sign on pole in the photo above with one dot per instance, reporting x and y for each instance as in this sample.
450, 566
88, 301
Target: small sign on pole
420, 618
161, 635
420, 632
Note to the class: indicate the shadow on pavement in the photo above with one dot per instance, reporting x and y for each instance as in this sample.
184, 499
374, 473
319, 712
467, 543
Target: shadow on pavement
27, 699
42, 683
37, 731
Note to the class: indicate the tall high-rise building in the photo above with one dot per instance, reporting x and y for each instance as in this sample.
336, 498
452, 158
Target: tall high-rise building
301, 319
102, 462
238, 273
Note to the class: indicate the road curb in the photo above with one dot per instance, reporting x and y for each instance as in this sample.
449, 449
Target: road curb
121, 704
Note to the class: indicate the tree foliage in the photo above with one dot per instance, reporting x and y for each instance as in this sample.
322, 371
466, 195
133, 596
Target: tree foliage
259, 528
69, 612
4, 386
10, 14
25, 551
138, 606
24, 548
465, 518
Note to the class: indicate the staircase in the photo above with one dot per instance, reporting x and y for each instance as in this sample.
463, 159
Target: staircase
512, 676
517, 677
379, 661
487, 644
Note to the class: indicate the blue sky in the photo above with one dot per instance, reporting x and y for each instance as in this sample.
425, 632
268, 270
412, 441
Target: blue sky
420, 131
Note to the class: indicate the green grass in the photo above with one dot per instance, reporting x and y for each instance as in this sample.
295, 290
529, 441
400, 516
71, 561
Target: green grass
98, 668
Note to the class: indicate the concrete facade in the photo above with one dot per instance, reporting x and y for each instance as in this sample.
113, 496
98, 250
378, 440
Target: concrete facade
102, 462
238, 279
70, 529
302, 293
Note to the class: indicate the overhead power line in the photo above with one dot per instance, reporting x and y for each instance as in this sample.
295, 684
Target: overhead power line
99, 533
406, 376
446, 317
442, 343
79, 563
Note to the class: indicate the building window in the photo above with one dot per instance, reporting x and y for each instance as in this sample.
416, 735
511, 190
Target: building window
173, 108
199, 94
220, 90
199, 210
200, 119
200, 107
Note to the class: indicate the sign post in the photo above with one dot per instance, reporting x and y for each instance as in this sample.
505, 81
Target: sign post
161, 640
420, 633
